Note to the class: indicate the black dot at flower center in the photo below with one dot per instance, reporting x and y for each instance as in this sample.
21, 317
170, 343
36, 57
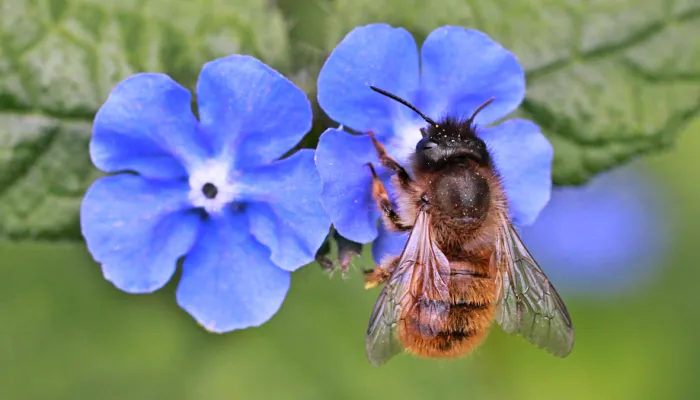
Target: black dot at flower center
209, 190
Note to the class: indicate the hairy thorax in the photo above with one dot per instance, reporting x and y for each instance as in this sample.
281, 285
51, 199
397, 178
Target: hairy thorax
464, 202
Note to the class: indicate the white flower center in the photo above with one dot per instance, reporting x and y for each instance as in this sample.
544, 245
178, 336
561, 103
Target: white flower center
406, 136
211, 186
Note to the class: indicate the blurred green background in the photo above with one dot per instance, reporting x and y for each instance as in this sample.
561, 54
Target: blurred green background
66, 333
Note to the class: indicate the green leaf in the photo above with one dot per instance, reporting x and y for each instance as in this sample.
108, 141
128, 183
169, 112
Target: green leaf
607, 80
60, 59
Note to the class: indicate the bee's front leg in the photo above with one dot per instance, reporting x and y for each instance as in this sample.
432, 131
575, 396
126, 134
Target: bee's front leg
391, 217
388, 162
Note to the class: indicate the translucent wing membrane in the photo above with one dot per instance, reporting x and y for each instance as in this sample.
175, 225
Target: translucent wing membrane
529, 304
429, 288
382, 341
420, 281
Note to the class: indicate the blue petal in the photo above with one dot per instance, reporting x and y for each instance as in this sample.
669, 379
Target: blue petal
601, 236
228, 281
147, 126
376, 55
462, 68
523, 157
137, 229
388, 244
341, 160
249, 111
286, 214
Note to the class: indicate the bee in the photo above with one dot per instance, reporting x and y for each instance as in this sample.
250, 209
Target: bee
464, 265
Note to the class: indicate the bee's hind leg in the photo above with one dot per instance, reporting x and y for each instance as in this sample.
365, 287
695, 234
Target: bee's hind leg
380, 274
391, 217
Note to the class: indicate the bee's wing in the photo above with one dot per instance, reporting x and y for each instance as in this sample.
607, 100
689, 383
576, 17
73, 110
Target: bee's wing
382, 342
423, 272
529, 304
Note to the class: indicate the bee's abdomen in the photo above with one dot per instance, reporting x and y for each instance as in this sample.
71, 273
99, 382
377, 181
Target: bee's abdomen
471, 313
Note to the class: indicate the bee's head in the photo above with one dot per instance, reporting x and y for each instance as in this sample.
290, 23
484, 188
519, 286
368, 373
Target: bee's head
450, 142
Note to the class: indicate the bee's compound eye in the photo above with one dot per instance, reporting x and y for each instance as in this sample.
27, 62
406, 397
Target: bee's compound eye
425, 144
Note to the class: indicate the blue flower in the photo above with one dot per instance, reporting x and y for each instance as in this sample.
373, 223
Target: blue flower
601, 237
456, 71
213, 190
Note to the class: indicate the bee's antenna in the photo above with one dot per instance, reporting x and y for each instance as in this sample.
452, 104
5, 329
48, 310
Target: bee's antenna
481, 107
404, 102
